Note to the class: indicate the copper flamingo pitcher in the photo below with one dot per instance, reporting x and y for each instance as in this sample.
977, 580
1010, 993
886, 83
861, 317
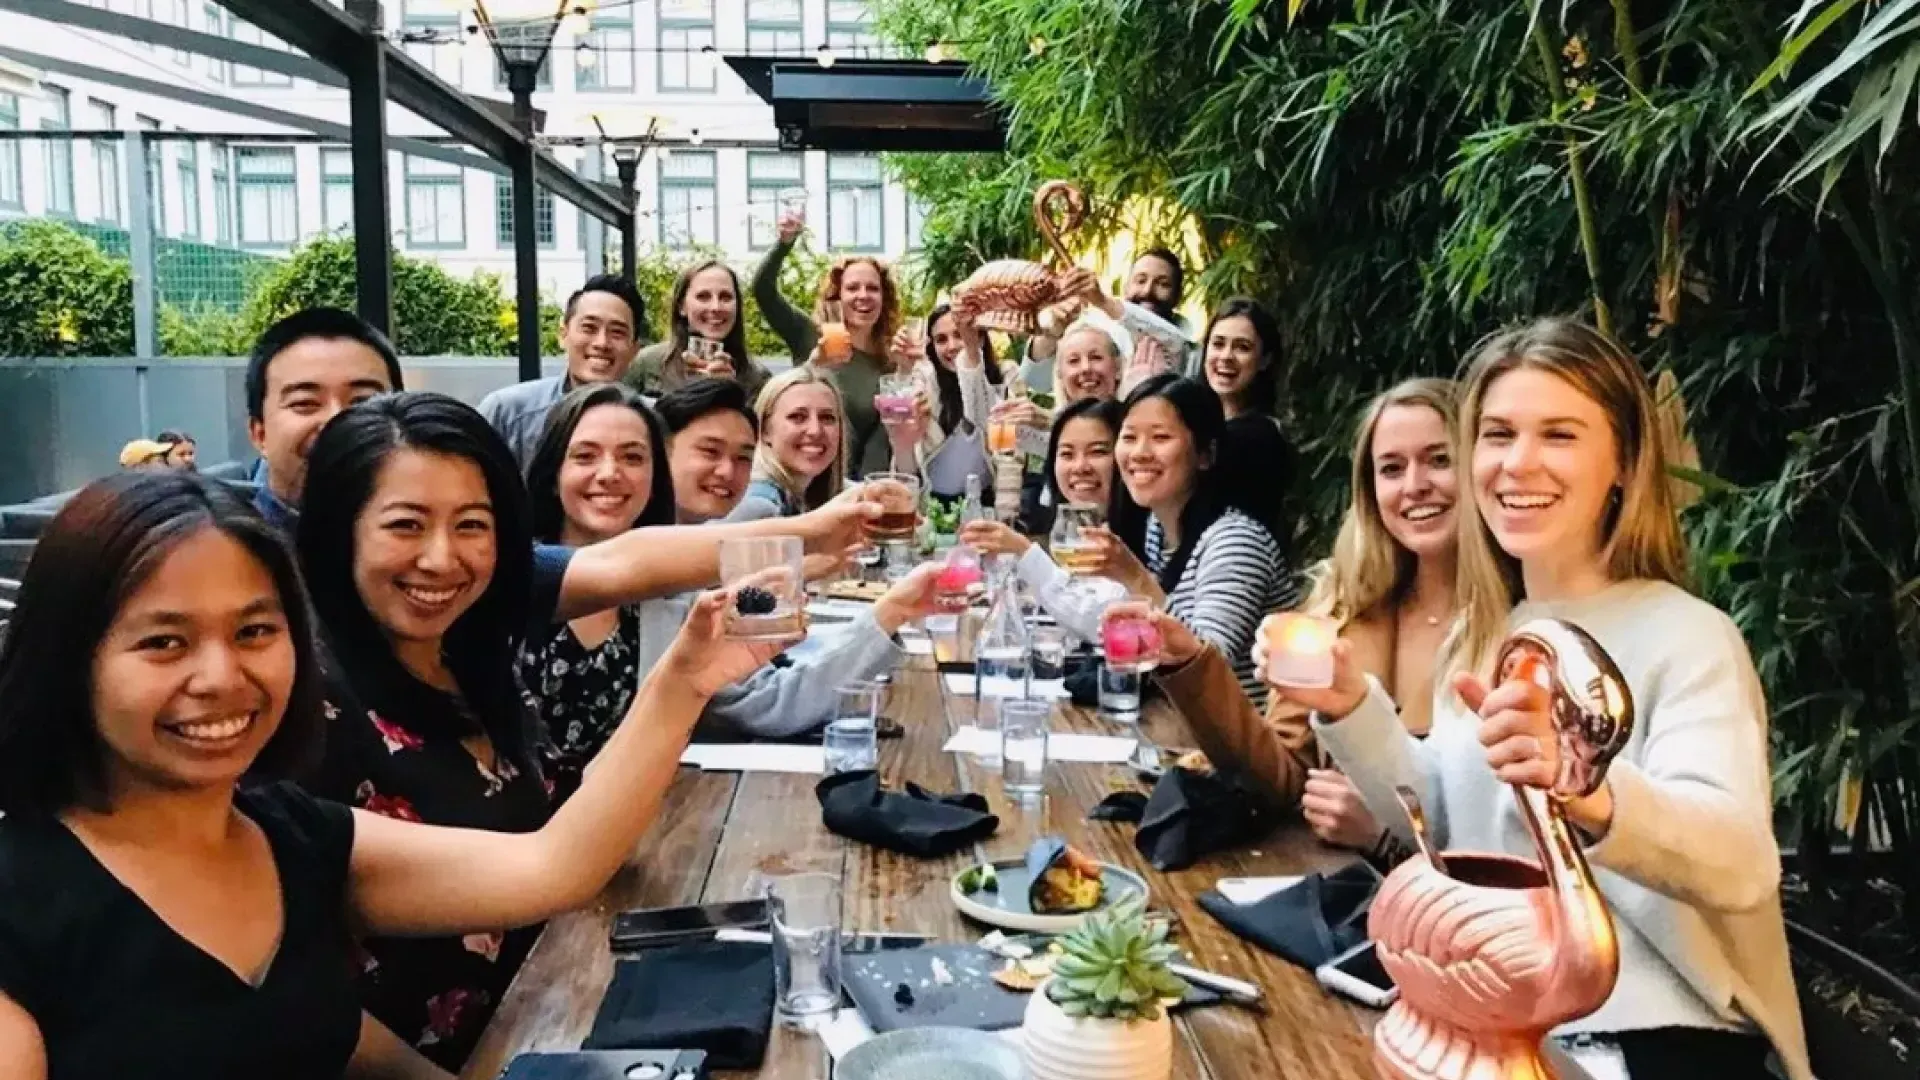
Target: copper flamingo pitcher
1009, 294
1492, 952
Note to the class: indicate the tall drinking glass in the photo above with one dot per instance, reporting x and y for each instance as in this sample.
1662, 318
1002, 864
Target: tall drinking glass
851, 740
836, 341
805, 910
1023, 746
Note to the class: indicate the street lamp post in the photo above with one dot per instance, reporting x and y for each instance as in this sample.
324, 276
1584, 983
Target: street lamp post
521, 34
626, 159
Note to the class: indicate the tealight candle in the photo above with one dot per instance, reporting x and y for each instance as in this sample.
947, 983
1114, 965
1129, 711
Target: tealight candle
1300, 650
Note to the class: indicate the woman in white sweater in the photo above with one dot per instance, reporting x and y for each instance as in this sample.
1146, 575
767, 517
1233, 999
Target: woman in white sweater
1571, 518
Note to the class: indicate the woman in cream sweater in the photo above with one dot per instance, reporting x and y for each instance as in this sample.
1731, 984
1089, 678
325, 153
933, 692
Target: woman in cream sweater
1389, 584
1572, 518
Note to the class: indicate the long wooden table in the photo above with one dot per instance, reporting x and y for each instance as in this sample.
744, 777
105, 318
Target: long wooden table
718, 829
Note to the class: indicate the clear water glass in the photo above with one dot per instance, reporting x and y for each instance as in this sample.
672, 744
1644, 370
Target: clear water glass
805, 910
1049, 652
1119, 695
1023, 746
852, 740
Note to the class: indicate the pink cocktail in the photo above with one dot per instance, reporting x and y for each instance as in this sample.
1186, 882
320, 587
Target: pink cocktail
953, 587
1131, 641
894, 408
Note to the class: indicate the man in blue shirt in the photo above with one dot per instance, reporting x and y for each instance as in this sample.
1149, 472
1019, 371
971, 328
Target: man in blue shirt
600, 332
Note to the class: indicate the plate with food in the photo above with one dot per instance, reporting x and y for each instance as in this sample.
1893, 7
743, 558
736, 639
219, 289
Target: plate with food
1048, 892
863, 591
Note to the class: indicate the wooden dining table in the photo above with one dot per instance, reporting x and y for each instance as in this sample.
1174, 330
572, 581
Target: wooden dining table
717, 831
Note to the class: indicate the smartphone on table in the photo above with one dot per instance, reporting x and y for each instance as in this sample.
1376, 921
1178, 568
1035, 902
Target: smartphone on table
1358, 975
653, 927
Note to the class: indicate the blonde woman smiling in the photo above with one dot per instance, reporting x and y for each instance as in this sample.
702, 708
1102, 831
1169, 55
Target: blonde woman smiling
801, 462
1572, 518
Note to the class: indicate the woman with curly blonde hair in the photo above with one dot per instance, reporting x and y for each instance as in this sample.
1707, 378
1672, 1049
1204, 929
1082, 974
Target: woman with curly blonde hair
869, 307
1389, 585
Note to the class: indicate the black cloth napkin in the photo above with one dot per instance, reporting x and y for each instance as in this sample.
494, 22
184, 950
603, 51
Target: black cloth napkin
1309, 923
914, 822
1191, 815
715, 996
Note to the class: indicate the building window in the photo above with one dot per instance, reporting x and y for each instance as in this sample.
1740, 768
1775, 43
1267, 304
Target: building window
251, 76
854, 205
189, 166
336, 189
106, 162
213, 19
440, 22
268, 202
156, 160
437, 203
688, 197
604, 58
12, 183
850, 27
181, 12
543, 229
222, 193
769, 177
686, 41
59, 150
773, 28
916, 222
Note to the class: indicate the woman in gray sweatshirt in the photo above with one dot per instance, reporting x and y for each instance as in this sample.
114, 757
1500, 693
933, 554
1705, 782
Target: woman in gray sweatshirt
1571, 518
600, 470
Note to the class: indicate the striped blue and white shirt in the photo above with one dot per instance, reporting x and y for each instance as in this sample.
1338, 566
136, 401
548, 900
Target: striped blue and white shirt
1235, 578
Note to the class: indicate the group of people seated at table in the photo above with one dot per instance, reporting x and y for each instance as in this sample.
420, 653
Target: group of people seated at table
290, 778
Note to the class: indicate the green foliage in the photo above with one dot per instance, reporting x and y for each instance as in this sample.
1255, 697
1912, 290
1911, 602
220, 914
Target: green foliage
434, 313
1114, 966
1396, 178
60, 295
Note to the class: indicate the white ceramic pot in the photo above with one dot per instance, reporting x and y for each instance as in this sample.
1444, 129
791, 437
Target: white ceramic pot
1062, 1047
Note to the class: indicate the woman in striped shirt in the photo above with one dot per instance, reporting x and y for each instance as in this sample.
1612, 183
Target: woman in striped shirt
1178, 535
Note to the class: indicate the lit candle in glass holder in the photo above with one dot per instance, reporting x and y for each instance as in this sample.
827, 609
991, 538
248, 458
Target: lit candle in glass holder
1300, 650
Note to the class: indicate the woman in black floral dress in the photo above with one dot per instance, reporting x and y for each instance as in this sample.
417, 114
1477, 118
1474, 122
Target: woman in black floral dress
415, 543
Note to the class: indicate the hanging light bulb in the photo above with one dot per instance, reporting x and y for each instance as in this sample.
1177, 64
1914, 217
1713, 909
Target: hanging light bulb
576, 21
695, 138
936, 52
585, 56
825, 57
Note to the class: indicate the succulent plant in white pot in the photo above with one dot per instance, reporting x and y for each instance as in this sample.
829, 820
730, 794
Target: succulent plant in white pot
1102, 1015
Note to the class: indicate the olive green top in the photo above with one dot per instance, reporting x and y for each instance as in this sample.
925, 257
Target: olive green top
659, 369
858, 380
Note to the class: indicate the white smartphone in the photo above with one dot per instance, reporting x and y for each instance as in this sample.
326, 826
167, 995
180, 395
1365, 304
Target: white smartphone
1252, 890
1358, 975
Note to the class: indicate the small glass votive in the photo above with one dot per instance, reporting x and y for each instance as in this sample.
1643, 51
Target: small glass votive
1300, 650
1119, 696
1023, 746
851, 741
1049, 652
767, 576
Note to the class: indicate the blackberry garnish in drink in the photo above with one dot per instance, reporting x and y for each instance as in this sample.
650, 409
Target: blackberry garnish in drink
754, 600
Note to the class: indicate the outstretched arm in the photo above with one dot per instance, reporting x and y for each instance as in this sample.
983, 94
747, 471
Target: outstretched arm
401, 872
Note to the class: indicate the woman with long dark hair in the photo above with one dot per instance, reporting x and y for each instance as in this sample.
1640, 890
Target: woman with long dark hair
1242, 362
601, 470
416, 539
158, 916
1177, 534
705, 306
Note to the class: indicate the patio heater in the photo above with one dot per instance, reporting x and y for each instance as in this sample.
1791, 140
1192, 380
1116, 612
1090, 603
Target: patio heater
521, 33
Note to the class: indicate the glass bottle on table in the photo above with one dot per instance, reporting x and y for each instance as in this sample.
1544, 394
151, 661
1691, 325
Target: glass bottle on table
1002, 652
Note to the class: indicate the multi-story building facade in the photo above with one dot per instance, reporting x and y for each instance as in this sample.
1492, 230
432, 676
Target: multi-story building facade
719, 183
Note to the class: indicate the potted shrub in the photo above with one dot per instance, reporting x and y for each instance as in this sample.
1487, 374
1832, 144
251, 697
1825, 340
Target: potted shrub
1101, 1015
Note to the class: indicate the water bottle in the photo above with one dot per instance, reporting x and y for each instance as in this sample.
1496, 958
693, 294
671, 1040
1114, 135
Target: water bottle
1003, 649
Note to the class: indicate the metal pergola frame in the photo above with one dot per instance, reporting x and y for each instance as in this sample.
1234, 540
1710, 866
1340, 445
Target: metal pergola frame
347, 48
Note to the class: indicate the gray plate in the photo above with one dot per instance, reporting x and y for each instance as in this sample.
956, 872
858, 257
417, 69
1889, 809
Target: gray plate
1008, 908
933, 1053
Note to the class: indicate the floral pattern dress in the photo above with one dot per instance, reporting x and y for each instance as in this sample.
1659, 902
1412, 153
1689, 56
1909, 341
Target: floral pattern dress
580, 694
436, 993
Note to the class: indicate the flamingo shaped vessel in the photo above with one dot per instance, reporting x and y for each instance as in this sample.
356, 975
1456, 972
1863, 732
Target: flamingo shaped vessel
1492, 952
1009, 294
